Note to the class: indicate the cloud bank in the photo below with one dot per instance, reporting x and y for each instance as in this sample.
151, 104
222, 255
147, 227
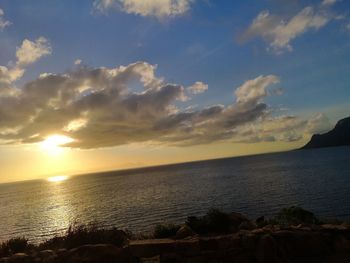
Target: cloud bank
101, 107
150, 8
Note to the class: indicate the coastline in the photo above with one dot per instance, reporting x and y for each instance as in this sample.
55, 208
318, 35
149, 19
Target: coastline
294, 235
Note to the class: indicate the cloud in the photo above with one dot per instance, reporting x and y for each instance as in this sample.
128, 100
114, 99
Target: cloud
197, 88
102, 107
318, 124
150, 8
279, 32
328, 2
78, 61
252, 91
30, 51
3, 22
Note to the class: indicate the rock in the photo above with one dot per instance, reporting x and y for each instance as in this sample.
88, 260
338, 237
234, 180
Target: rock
235, 220
96, 253
259, 231
20, 258
47, 256
332, 227
151, 247
155, 259
188, 247
260, 220
171, 258
61, 251
249, 241
341, 244
247, 225
184, 231
209, 243
300, 244
229, 242
267, 250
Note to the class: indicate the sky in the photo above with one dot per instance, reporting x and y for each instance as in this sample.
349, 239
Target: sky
98, 85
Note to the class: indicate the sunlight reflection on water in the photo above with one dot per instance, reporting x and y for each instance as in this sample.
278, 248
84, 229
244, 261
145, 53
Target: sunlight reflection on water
318, 180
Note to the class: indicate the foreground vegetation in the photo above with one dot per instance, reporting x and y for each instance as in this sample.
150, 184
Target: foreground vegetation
215, 222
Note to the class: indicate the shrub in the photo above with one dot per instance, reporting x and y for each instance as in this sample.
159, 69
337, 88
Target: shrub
214, 221
78, 235
295, 215
14, 245
165, 231
90, 234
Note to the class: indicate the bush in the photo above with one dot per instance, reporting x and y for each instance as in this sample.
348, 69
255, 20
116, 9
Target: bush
14, 245
214, 221
165, 231
78, 235
295, 215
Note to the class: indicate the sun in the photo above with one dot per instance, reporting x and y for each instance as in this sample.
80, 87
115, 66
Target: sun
53, 143
55, 179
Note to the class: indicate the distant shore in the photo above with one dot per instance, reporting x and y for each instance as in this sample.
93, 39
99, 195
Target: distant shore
293, 235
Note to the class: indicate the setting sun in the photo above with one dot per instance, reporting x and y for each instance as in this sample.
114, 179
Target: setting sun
60, 178
52, 144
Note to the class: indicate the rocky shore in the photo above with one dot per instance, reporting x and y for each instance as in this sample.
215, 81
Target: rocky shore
246, 241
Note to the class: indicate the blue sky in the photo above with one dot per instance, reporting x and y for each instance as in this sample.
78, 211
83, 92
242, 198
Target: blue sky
198, 45
300, 48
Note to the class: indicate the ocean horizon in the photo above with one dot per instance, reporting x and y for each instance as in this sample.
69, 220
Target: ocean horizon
138, 199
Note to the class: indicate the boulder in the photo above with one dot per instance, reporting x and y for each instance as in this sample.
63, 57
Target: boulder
260, 220
184, 231
20, 258
248, 241
247, 225
188, 247
235, 220
267, 250
151, 247
300, 244
155, 259
332, 227
341, 244
46, 256
96, 253
171, 258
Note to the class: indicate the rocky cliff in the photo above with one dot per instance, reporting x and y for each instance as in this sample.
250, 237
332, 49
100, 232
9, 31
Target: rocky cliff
339, 136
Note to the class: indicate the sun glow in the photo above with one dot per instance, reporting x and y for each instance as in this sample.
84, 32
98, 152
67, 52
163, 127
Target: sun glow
53, 143
60, 178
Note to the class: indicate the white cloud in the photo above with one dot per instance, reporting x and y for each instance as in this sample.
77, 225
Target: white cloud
318, 124
328, 2
30, 51
256, 89
198, 87
279, 32
3, 22
153, 8
78, 61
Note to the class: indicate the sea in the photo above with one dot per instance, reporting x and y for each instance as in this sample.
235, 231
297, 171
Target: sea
317, 180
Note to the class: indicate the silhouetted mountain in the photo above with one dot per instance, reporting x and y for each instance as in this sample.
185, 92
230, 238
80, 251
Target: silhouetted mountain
339, 136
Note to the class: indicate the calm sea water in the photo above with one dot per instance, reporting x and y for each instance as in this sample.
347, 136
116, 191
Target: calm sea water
318, 180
